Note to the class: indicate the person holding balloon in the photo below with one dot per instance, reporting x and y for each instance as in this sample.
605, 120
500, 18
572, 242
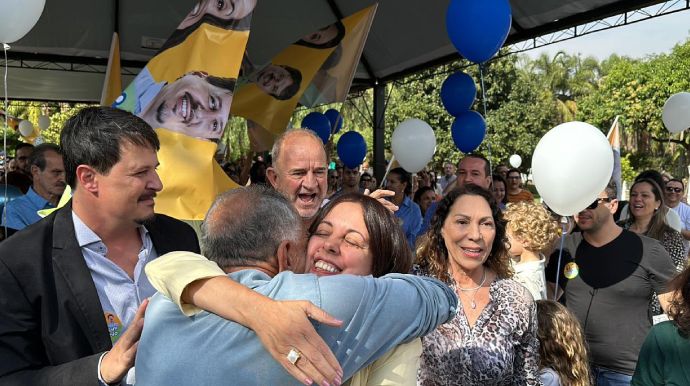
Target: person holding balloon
608, 275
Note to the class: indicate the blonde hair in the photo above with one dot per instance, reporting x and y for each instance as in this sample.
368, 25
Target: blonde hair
532, 224
562, 345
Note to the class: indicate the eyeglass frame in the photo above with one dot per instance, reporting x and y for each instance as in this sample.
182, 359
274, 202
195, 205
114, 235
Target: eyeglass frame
598, 201
671, 189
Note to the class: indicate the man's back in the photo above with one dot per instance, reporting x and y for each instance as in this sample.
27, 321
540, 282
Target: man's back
378, 314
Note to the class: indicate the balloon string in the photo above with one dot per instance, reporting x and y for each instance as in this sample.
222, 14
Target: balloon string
481, 84
388, 169
5, 47
564, 221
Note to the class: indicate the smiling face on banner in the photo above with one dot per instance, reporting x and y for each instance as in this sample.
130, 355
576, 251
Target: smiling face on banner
195, 104
222, 9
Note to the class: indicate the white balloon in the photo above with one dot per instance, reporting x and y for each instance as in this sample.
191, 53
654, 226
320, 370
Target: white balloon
515, 160
43, 122
676, 112
413, 144
26, 128
571, 165
18, 17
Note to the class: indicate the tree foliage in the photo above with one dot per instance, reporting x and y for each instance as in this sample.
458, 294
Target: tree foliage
523, 98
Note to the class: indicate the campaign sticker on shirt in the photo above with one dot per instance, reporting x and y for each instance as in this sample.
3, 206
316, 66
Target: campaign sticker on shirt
571, 270
114, 326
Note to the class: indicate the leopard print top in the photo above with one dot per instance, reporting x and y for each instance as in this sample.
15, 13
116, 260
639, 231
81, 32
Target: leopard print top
501, 349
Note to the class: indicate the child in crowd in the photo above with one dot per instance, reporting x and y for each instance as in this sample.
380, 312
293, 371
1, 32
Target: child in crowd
531, 231
562, 348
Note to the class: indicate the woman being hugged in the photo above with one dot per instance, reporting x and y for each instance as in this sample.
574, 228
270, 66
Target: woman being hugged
493, 338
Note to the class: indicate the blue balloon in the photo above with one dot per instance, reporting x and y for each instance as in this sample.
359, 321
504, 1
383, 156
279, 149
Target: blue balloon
336, 120
319, 124
468, 131
457, 93
478, 28
352, 149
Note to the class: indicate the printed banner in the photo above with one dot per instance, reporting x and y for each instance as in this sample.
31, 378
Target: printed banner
112, 84
185, 93
322, 62
332, 82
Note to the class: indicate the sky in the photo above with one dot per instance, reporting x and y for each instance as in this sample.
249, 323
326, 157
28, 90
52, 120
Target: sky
652, 36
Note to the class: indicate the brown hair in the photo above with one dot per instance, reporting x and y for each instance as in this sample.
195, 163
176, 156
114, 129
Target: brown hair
657, 224
387, 243
562, 345
432, 255
679, 311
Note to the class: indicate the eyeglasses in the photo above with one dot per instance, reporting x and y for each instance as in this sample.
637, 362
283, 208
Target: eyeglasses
596, 202
671, 189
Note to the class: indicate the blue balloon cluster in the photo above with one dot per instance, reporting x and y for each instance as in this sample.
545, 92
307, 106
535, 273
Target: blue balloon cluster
318, 123
468, 131
335, 118
352, 149
478, 28
457, 93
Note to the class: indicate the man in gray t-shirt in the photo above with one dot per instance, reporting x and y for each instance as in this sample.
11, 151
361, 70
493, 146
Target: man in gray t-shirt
608, 276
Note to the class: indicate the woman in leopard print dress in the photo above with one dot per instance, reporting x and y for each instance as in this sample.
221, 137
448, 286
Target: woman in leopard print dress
492, 340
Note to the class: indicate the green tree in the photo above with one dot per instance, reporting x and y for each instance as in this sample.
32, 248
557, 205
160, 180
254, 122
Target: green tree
637, 90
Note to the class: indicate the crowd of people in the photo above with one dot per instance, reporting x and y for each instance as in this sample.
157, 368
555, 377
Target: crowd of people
312, 275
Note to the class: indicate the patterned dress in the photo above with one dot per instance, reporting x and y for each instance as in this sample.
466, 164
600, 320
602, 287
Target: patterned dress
500, 349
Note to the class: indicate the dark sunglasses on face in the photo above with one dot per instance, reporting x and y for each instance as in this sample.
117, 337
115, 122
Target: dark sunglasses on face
671, 189
596, 202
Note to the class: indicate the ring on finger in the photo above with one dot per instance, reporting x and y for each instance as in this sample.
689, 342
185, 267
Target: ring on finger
293, 356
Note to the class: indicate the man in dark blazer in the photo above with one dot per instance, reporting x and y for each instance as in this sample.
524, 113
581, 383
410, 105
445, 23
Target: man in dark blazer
55, 275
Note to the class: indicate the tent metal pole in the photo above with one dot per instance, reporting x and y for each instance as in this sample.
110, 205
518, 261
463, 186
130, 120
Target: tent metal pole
379, 130
116, 13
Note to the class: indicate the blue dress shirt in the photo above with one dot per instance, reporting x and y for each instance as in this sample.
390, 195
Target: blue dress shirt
377, 314
411, 217
22, 212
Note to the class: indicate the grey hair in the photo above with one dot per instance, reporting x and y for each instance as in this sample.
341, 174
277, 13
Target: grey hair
247, 225
278, 144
